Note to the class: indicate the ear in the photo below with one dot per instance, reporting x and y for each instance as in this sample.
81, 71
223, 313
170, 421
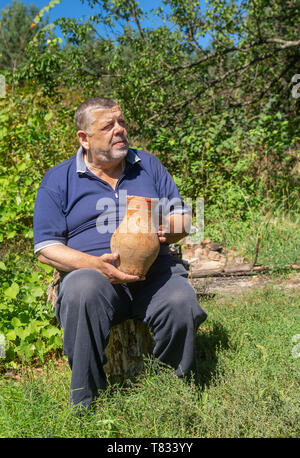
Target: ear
83, 139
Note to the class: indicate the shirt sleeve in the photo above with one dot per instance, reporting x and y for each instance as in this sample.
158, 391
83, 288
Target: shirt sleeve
169, 195
49, 223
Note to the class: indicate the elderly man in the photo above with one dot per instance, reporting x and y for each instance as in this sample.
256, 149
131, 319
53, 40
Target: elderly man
94, 294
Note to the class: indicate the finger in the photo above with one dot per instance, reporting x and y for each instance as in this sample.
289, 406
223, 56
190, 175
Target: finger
162, 239
127, 279
110, 257
131, 278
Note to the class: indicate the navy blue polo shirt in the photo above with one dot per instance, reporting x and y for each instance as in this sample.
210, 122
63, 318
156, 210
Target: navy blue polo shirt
74, 207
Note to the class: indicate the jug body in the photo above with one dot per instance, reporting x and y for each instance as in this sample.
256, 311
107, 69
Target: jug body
136, 238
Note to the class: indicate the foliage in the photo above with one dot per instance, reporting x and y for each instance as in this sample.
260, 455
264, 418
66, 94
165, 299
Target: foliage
232, 168
28, 145
34, 137
26, 319
16, 31
221, 118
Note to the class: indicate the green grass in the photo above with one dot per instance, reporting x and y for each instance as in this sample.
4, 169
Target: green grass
280, 238
247, 386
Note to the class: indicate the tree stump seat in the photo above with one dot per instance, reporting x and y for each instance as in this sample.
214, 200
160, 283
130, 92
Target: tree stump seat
128, 342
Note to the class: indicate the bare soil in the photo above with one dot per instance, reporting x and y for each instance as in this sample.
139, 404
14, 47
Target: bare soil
235, 285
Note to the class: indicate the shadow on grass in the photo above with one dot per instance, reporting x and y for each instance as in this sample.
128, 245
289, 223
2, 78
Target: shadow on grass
207, 345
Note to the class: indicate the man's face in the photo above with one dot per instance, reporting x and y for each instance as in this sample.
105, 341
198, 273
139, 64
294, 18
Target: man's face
107, 137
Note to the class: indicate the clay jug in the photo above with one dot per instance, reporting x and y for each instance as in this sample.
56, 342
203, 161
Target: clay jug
136, 238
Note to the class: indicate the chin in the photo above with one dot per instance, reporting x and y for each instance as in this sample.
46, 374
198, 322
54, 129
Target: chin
112, 155
119, 153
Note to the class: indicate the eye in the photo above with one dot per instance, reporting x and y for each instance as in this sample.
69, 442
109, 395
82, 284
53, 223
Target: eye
108, 126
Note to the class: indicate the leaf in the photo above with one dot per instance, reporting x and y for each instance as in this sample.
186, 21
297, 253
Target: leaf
22, 166
11, 234
37, 291
26, 350
50, 331
48, 269
48, 116
12, 291
2, 266
16, 322
11, 335
23, 332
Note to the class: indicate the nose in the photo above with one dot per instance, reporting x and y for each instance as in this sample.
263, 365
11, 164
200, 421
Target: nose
119, 128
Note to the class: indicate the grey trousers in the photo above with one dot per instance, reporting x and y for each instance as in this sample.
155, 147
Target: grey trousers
88, 305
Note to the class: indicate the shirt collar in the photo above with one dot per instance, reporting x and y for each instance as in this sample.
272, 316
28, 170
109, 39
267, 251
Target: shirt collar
132, 157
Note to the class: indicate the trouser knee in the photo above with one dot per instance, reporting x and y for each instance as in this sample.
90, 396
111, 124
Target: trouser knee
82, 290
180, 313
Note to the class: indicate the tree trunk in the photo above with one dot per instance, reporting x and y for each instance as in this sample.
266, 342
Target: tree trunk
128, 342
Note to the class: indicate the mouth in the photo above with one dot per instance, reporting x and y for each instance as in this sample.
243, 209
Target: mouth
120, 143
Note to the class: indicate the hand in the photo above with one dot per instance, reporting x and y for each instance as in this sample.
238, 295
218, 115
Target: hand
162, 235
173, 228
167, 237
113, 274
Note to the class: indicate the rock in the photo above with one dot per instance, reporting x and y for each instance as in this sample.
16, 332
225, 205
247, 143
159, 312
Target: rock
223, 259
214, 255
198, 252
207, 264
205, 251
214, 247
192, 251
188, 254
295, 266
238, 260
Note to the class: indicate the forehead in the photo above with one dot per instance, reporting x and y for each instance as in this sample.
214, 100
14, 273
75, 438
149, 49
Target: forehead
106, 114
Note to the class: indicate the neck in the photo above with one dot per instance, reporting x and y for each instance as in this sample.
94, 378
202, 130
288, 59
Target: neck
112, 169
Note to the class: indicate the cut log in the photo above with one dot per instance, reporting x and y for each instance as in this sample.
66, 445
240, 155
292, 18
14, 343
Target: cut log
222, 273
128, 342
52, 290
238, 268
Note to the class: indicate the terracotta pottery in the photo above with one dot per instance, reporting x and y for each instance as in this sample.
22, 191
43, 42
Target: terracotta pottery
136, 238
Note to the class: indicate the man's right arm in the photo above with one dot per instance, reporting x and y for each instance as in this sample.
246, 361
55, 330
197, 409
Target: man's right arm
50, 230
67, 259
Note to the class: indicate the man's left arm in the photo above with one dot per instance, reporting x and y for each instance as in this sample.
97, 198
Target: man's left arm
175, 219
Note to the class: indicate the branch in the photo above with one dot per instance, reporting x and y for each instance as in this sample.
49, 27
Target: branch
274, 81
284, 43
225, 76
136, 19
256, 251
